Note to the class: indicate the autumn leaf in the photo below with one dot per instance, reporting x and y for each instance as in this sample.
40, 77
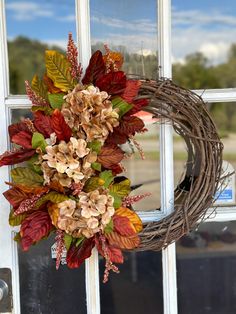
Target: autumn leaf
26, 176
16, 220
77, 255
123, 226
58, 70
35, 227
110, 155
122, 106
92, 184
16, 156
138, 105
131, 90
132, 216
60, 127
95, 69
51, 87
53, 211
23, 139
53, 197
39, 87
15, 196
43, 124
122, 188
114, 253
123, 242
29, 189
130, 125
56, 186
113, 83
15, 128
38, 141
56, 100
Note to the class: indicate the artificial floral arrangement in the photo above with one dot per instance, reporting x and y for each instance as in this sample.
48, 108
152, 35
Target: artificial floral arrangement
70, 184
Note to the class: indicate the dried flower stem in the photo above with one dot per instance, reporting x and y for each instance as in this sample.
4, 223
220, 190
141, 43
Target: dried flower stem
109, 265
60, 247
72, 56
138, 146
129, 200
35, 99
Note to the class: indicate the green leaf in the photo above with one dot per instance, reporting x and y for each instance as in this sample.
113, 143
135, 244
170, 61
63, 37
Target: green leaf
92, 184
122, 188
67, 240
109, 227
117, 200
122, 105
38, 140
95, 146
107, 176
96, 166
33, 164
15, 220
79, 241
48, 111
56, 100
26, 176
39, 87
53, 197
58, 70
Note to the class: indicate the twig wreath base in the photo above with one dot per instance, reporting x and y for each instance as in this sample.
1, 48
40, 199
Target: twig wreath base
195, 193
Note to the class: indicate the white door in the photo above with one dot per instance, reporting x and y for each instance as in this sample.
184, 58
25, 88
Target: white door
147, 282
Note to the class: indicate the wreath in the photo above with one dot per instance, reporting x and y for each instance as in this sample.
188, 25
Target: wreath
70, 182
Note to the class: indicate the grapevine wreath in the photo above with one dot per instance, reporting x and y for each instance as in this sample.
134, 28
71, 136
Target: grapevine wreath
71, 183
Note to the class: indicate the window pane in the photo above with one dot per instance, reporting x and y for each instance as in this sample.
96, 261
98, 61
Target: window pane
206, 261
224, 116
129, 27
138, 287
43, 289
33, 27
204, 46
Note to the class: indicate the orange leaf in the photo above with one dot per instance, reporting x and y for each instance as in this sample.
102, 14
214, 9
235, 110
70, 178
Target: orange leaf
122, 242
123, 226
56, 186
53, 211
132, 216
50, 85
110, 155
29, 189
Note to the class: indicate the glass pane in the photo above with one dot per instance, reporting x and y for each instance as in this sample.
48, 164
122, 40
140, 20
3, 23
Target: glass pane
20, 114
43, 289
204, 49
224, 116
206, 261
33, 27
129, 27
145, 174
138, 287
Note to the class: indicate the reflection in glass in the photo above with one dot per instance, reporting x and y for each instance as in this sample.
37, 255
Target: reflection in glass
206, 261
204, 45
43, 289
129, 27
33, 27
138, 287
18, 115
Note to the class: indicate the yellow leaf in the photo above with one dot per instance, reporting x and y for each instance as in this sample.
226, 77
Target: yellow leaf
58, 70
53, 211
132, 216
122, 188
39, 87
123, 242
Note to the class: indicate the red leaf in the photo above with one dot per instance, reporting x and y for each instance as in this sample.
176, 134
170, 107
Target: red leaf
15, 196
137, 106
115, 254
60, 127
113, 83
16, 157
36, 226
95, 69
15, 128
117, 137
77, 255
23, 139
131, 90
131, 124
123, 226
110, 155
116, 169
43, 123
